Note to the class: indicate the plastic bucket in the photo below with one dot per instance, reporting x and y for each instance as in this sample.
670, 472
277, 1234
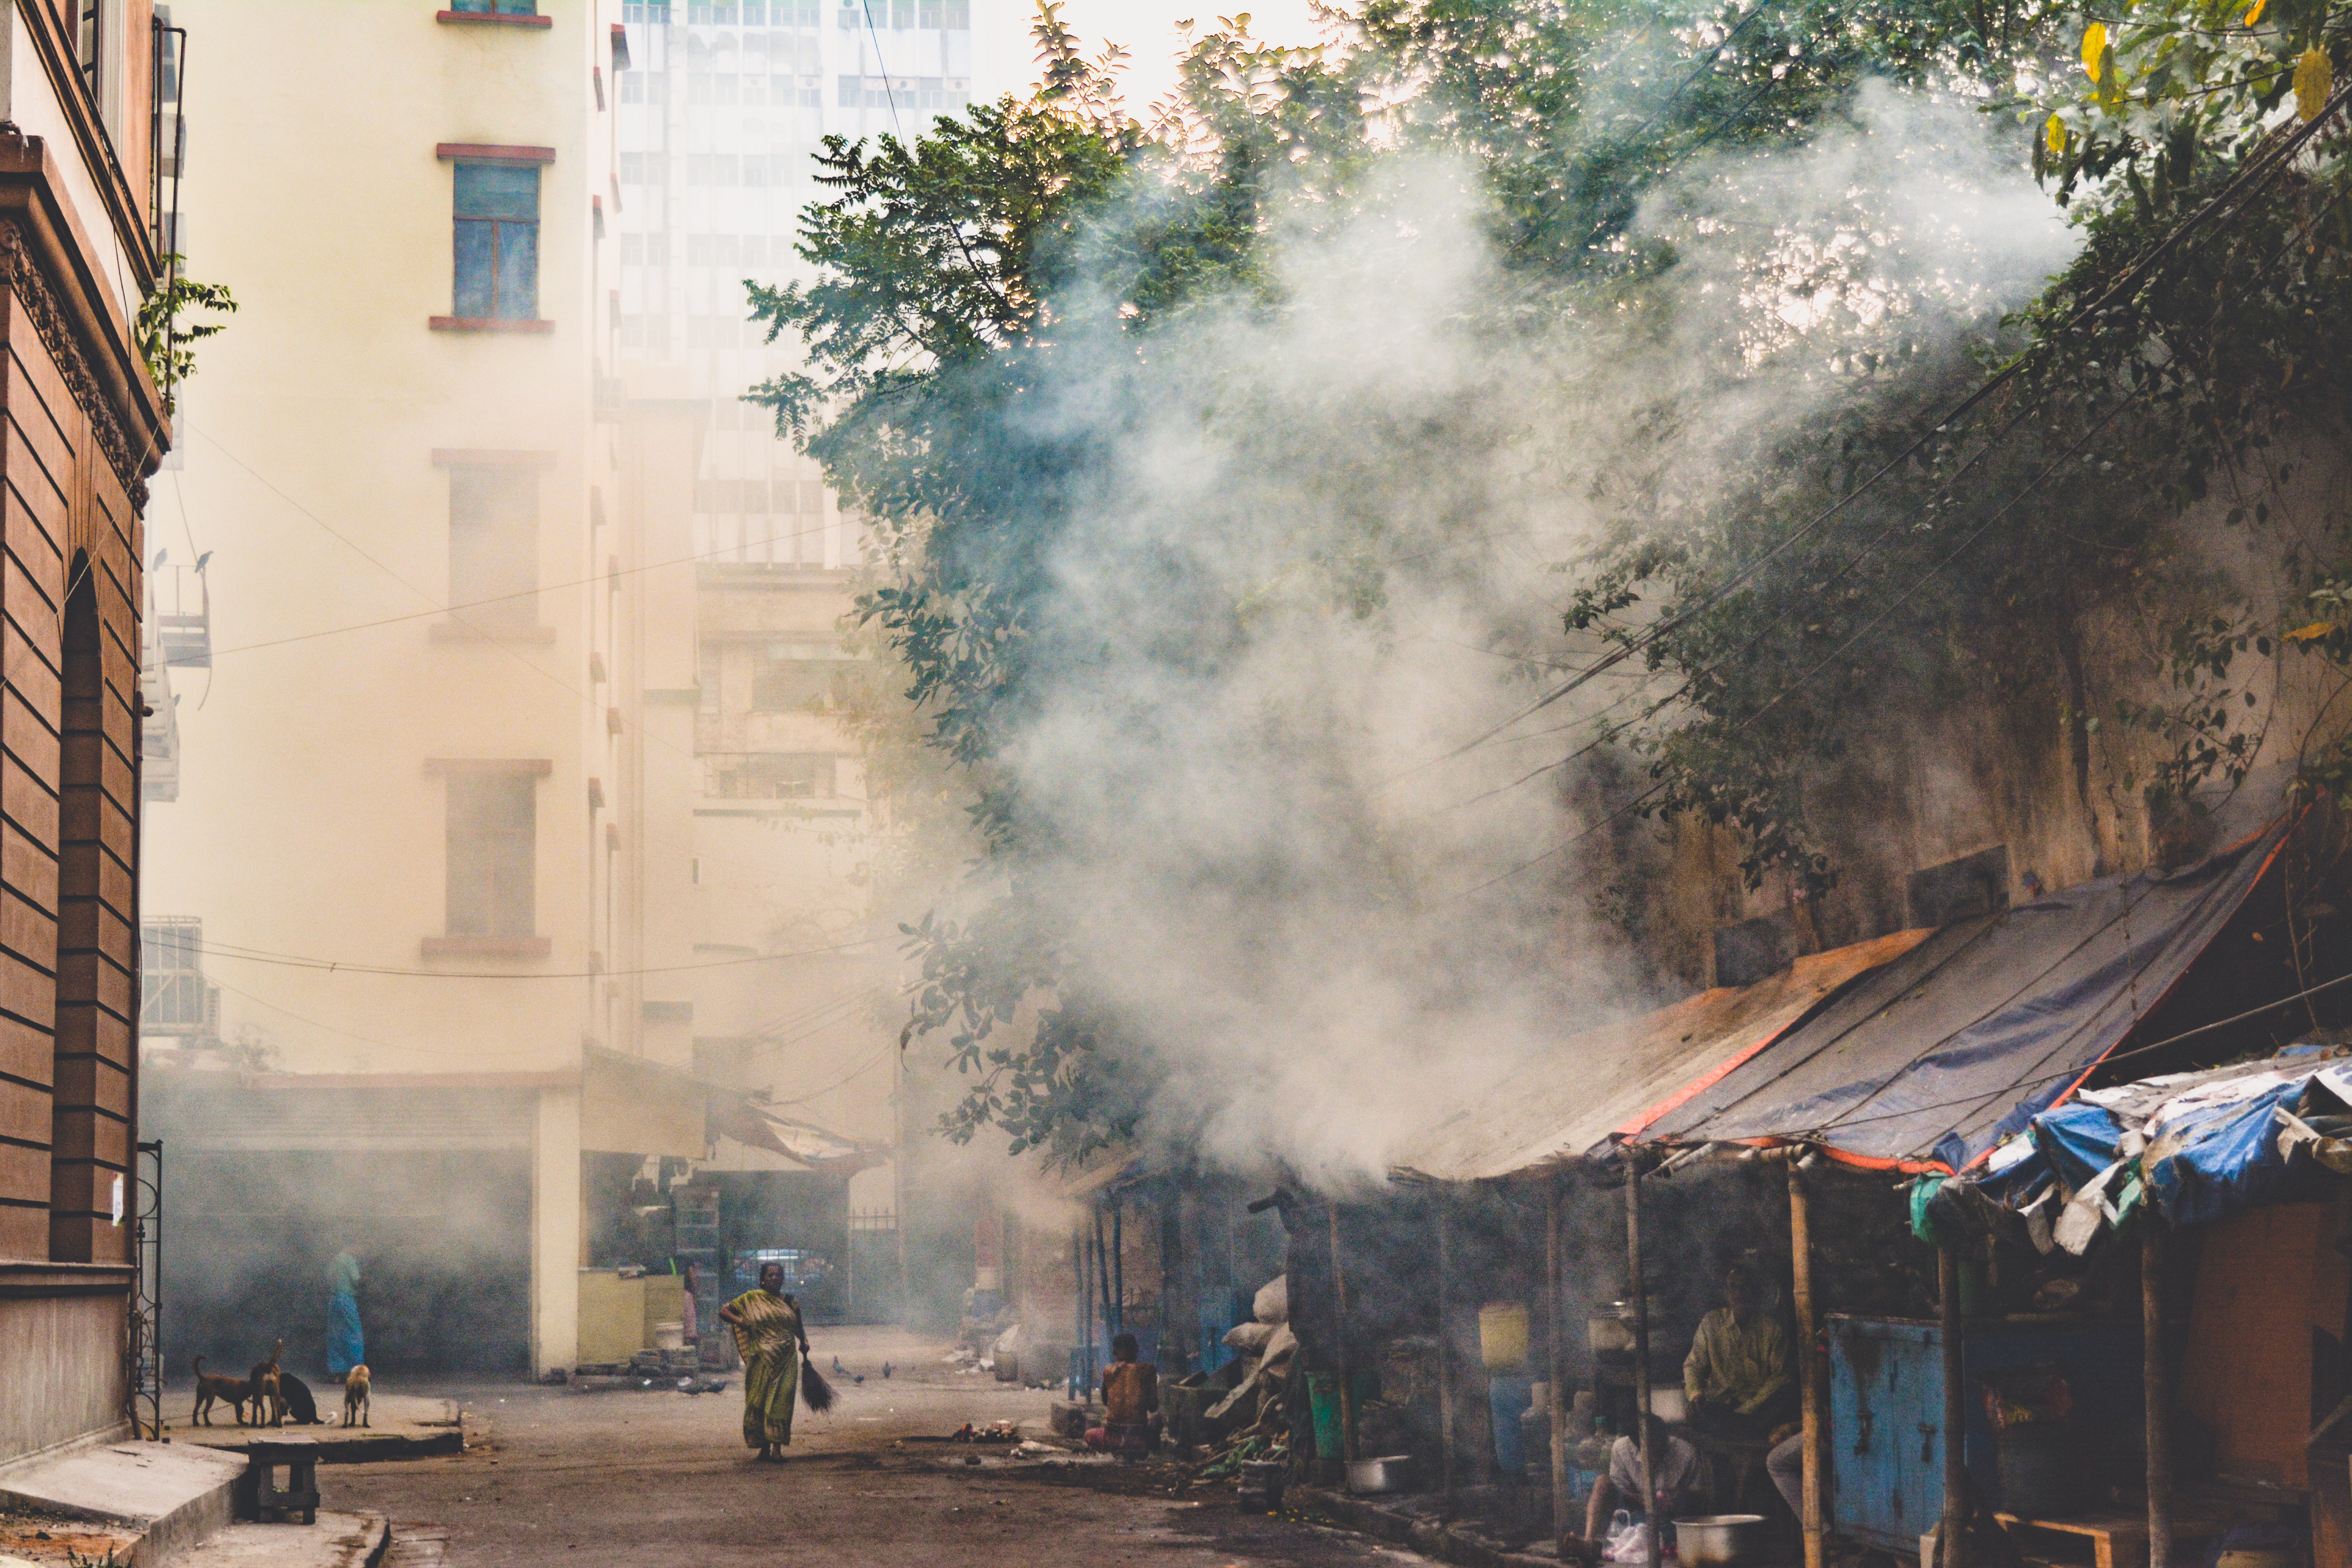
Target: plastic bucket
1503, 1336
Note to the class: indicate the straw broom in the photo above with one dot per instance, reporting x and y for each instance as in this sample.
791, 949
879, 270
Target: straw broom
817, 1393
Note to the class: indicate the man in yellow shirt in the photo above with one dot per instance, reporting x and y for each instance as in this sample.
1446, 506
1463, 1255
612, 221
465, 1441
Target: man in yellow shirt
1738, 1378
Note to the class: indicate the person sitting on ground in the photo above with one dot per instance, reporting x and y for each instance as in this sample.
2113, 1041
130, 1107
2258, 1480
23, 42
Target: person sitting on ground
1738, 1378
1130, 1391
1677, 1481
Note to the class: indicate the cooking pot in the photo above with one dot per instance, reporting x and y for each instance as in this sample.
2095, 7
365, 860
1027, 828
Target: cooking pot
1390, 1473
1719, 1540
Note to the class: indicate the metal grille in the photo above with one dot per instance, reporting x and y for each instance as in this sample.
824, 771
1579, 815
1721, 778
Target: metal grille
144, 1347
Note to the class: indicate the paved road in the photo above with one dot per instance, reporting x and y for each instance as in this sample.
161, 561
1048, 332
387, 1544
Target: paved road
620, 1480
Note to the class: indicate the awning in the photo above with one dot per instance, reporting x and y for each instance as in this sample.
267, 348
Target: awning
2198, 1147
1932, 1060
1617, 1080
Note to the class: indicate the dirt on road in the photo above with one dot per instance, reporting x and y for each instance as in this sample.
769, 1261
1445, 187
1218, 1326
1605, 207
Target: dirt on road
635, 1478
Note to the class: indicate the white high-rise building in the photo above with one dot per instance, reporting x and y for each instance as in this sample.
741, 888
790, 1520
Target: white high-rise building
722, 110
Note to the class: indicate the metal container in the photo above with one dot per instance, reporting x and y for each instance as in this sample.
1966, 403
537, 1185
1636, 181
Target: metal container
1719, 1540
1261, 1487
1609, 1332
1390, 1473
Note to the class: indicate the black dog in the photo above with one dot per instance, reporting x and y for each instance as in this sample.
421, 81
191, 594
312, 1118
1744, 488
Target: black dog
301, 1409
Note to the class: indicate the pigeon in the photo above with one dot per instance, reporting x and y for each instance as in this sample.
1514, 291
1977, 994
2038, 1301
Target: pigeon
161, 556
886, 1369
207, 555
838, 1366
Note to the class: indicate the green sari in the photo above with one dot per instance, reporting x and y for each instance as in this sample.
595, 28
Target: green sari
770, 1338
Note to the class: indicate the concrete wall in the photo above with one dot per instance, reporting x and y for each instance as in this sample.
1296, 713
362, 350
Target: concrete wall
61, 1369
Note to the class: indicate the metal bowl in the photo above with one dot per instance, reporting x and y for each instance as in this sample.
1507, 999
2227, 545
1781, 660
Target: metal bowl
1719, 1540
1390, 1473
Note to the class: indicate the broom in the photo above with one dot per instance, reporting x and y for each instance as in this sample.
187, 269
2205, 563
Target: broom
813, 1387
817, 1393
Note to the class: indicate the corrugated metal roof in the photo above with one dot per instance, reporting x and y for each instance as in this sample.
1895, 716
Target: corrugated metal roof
1620, 1078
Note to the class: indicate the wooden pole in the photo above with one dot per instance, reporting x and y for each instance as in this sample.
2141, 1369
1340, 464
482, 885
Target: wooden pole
1339, 1340
1556, 1276
1102, 1276
1086, 1323
2159, 1402
1118, 1264
1640, 1358
1956, 1417
1801, 1255
1444, 1357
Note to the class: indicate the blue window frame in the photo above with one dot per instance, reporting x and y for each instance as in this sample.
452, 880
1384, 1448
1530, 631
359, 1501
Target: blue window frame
497, 242
495, 7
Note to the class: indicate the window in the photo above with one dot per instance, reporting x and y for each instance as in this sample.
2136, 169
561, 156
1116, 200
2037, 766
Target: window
780, 775
785, 677
495, 7
494, 544
493, 844
497, 242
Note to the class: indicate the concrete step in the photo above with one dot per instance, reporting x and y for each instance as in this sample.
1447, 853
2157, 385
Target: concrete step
403, 1426
337, 1540
154, 1498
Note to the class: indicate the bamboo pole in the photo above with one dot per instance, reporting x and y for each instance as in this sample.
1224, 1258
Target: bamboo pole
2159, 1426
1556, 1276
1801, 1255
1640, 1358
1956, 1475
1339, 1340
1444, 1357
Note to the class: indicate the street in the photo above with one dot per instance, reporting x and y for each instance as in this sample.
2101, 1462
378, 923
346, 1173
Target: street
660, 1479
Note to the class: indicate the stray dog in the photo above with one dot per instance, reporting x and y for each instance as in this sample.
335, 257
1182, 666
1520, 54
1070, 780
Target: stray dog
269, 1394
355, 1395
212, 1388
302, 1409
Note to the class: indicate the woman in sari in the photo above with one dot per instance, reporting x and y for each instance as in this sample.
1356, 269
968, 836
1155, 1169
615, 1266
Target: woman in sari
767, 1324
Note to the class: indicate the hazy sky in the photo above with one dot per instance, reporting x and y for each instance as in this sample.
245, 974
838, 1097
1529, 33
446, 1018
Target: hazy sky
1146, 27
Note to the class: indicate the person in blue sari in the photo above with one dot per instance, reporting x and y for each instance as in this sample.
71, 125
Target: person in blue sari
346, 1345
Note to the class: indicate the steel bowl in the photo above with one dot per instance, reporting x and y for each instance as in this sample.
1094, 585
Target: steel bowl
1719, 1540
1390, 1473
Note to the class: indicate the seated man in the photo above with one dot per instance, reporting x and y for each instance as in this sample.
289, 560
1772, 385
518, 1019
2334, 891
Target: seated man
1130, 1391
1677, 1481
1738, 1378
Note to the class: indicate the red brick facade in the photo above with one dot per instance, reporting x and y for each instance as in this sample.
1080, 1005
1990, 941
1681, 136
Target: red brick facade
81, 426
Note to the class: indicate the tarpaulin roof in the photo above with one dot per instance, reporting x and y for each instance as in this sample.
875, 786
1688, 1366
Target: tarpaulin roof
1617, 1079
1956, 1044
2198, 1146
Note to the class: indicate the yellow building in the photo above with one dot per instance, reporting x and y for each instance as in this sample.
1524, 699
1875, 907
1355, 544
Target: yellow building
400, 777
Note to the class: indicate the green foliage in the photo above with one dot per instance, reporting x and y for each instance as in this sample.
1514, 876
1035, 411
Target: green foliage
163, 338
1830, 578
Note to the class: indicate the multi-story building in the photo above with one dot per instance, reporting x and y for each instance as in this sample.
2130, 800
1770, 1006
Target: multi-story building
515, 852
721, 114
388, 859
82, 425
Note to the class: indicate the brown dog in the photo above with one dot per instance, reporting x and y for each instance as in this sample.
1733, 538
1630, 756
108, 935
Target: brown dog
213, 1388
355, 1395
268, 1398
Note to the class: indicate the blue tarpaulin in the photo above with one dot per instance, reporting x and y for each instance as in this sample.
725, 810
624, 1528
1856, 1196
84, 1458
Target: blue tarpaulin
2202, 1145
1941, 1054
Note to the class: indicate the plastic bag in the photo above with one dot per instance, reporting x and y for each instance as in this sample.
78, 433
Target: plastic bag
1624, 1541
